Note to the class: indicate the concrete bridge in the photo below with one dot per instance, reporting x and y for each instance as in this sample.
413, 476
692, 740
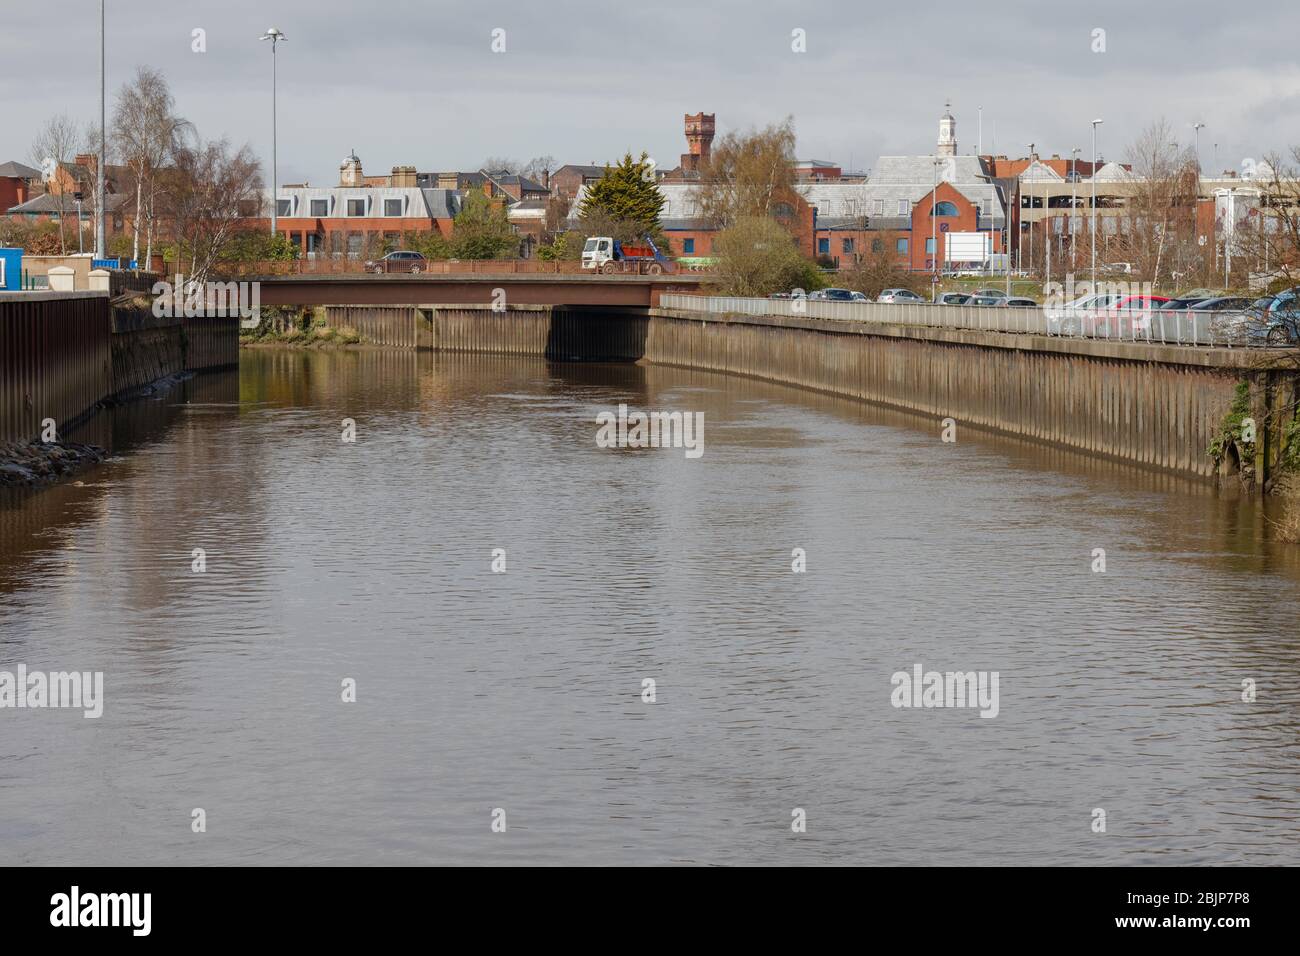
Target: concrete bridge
472, 289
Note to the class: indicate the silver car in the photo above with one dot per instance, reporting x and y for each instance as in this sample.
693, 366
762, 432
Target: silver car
899, 295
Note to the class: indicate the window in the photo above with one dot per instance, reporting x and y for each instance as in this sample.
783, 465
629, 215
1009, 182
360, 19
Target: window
877, 245
282, 207
688, 247
880, 207
823, 247
929, 247
356, 207
392, 207
944, 208
901, 247
846, 246
904, 207
783, 210
320, 207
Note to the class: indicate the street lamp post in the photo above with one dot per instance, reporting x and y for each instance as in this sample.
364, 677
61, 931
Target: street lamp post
81, 246
934, 241
275, 36
1031, 208
1197, 127
1095, 124
1074, 203
101, 243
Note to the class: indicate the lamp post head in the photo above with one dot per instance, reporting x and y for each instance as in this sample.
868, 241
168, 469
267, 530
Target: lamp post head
273, 35
1097, 122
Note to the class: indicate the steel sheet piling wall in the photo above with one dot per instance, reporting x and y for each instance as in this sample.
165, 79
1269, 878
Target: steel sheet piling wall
55, 359
211, 341
393, 325
61, 353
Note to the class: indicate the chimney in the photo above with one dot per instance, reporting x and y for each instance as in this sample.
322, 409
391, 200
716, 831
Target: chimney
403, 177
546, 178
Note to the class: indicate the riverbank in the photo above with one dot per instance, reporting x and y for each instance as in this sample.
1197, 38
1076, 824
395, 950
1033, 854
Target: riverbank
38, 463
315, 336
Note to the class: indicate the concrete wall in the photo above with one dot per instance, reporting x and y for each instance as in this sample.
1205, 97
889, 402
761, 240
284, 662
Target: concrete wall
1152, 405
145, 349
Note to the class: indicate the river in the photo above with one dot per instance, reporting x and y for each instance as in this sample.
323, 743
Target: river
520, 697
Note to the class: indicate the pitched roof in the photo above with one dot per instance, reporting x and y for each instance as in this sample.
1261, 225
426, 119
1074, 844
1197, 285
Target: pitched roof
15, 170
525, 184
48, 203
584, 170
442, 203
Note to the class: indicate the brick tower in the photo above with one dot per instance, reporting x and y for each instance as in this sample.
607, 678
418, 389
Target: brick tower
699, 138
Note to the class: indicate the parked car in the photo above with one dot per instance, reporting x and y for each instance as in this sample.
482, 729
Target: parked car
1222, 303
1019, 301
1128, 315
1182, 302
954, 298
400, 261
987, 300
1080, 316
898, 295
990, 293
1223, 316
834, 295
1277, 321
860, 297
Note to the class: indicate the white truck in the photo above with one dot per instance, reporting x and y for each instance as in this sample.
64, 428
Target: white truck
609, 256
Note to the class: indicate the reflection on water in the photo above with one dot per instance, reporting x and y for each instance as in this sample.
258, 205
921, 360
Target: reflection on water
372, 561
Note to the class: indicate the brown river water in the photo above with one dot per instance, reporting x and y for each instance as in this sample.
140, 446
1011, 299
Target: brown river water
524, 691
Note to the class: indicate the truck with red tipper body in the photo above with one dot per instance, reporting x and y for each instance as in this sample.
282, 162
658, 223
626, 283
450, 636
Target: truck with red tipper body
609, 256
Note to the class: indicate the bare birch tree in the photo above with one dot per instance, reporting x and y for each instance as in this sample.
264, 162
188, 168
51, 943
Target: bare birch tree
146, 133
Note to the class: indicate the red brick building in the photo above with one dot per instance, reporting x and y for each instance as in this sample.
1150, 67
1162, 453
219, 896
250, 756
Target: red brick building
16, 184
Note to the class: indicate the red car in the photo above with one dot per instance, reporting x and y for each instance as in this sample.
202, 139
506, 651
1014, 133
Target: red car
1128, 317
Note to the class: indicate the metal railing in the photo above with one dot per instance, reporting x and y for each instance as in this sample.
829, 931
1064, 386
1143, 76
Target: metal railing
342, 266
1187, 327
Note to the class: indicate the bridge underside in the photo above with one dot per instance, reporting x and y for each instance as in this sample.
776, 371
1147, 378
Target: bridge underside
573, 290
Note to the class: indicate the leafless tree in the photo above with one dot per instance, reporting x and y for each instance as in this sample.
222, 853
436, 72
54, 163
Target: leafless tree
748, 173
1272, 240
536, 167
1161, 206
215, 188
146, 133
56, 145
500, 164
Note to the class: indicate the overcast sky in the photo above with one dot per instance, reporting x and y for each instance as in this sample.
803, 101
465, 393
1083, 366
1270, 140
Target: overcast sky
410, 82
